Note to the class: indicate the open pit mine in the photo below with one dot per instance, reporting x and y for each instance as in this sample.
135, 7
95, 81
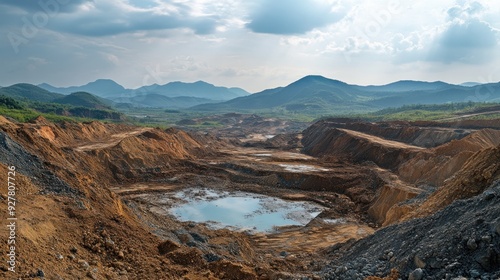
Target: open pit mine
337, 199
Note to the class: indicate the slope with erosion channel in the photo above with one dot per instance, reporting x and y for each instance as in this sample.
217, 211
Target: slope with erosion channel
423, 133
445, 160
415, 172
401, 251
454, 233
322, 139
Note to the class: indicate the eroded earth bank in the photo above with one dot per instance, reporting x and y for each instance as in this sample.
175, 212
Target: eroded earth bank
391, 200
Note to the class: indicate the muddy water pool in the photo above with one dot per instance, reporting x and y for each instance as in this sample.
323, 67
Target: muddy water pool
241, 210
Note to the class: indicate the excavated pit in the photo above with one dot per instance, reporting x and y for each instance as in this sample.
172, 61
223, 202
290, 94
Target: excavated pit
128, 183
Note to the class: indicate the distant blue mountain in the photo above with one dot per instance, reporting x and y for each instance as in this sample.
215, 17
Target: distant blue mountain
319, 95
407, 85
470, 84
198, 89
175, 94
101, 87
154, 100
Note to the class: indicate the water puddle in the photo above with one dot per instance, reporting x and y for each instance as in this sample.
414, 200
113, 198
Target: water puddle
301, 168
241, 211
335, 221
262, 155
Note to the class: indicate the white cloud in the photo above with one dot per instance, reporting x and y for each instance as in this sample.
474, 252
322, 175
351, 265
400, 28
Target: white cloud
284, 17
189, 40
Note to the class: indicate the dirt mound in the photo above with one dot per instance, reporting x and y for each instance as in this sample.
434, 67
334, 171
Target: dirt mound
423, 136
444, 161
463, 240
479, 140
321, 139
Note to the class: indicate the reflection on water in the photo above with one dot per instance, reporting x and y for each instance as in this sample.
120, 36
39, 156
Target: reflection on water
301, 168
243, 211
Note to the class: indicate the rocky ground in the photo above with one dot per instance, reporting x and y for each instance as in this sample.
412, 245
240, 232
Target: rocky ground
402, 200
462, 240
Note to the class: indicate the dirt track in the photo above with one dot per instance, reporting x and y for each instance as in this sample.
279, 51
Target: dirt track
381, 141
110, 141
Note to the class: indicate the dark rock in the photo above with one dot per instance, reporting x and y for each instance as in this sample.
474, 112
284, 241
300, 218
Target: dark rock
496, 227
435, 263
211, 257
489, 194
198, 237
471, 244
488, 259
486, 239
474, 273
417, 274
73, 250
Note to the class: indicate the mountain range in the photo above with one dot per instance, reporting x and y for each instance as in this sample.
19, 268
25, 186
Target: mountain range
310, 95
317, 95
170, 95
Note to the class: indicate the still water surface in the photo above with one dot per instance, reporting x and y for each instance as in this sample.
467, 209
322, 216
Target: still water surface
242, 211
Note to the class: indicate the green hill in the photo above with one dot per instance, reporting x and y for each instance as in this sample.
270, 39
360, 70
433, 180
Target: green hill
84, 99
29, 92
24, 102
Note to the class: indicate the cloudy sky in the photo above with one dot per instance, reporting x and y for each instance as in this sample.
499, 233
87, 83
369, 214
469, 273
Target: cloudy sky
254, 44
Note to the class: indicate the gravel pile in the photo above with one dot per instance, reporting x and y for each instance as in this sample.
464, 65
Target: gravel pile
11, 153
461, 241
